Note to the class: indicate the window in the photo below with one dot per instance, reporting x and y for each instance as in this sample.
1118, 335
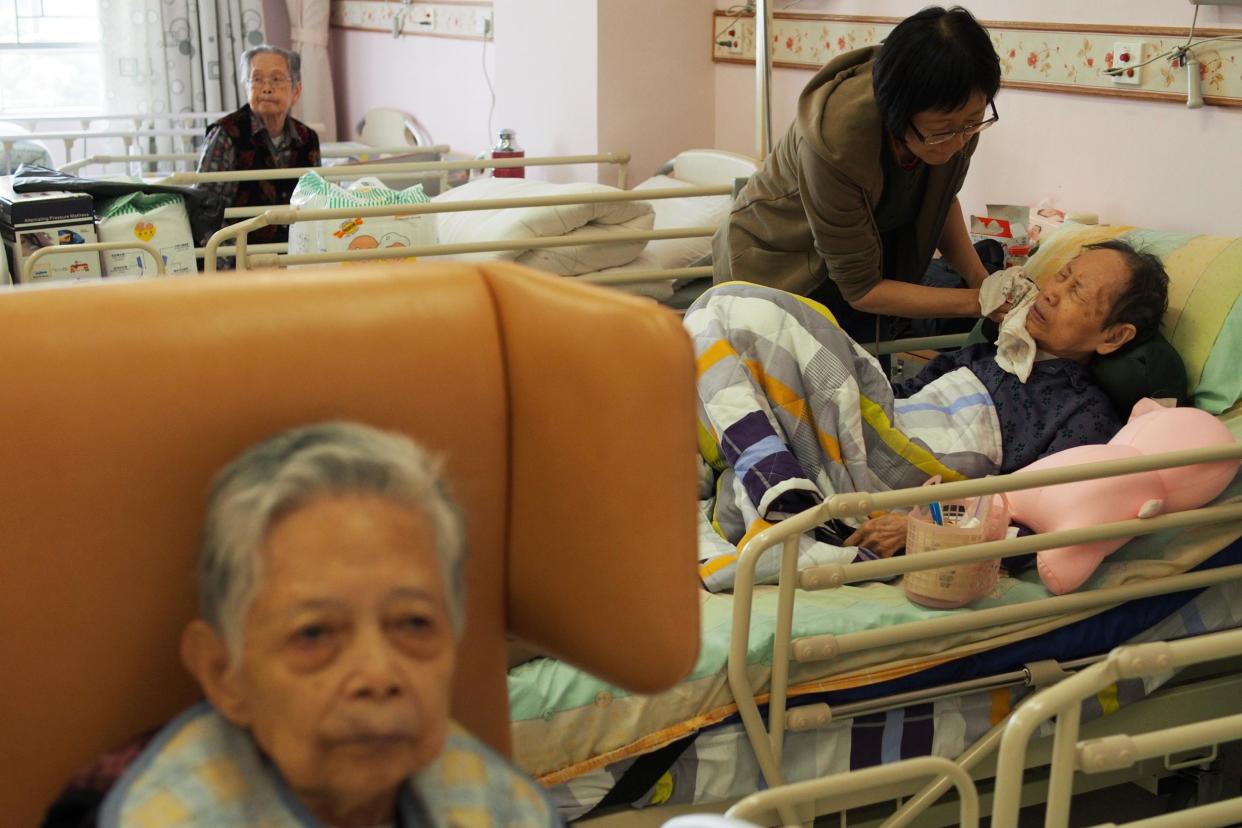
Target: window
49, 56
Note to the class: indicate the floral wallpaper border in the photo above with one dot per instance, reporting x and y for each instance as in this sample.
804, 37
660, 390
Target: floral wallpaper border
458, 20
1043, 56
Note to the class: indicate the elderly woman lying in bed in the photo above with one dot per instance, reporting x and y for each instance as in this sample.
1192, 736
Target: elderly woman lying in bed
792, 410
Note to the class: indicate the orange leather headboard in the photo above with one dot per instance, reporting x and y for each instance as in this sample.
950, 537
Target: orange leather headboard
565, 412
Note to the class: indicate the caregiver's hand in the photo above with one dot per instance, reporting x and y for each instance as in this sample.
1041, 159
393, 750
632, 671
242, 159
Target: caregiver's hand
883, 535
998, 315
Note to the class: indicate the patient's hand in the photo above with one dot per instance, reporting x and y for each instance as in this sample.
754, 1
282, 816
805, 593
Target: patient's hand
883, 535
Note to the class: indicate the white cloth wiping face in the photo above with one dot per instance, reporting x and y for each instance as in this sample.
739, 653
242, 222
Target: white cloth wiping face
1015, 349
1009, 285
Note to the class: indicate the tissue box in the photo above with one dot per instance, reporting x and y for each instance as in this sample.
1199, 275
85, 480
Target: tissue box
30, 221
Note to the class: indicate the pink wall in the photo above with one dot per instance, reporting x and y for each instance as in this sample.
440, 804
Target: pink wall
571, 78
546, 80
653, 80
439, 80
1149, 163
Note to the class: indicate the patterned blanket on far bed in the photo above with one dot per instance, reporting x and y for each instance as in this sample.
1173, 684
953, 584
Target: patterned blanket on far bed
791, 411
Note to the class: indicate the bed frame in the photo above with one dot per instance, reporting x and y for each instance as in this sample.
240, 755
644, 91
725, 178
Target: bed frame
766, 739
231, 240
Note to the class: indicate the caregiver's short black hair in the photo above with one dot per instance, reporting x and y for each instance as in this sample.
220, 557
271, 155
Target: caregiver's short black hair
1144, 301
933, 61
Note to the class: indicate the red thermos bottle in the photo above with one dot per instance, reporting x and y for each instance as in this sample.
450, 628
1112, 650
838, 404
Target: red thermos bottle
507, 147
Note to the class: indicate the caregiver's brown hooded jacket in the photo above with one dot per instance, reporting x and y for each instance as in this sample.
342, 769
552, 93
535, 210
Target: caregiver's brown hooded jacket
810, 210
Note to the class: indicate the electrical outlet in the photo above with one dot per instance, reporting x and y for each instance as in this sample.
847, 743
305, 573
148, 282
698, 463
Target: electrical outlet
425, 17
1127, 55
731, 40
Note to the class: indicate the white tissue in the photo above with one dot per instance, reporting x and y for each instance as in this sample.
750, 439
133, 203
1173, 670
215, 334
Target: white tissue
1015, 349
1009, 285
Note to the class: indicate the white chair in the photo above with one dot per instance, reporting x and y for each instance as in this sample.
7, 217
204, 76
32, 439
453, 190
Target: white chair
385, 127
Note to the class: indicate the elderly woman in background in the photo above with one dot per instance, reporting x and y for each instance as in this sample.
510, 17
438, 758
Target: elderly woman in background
331, 584
262, 136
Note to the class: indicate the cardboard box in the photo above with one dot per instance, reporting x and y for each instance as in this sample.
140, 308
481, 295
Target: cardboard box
30, 221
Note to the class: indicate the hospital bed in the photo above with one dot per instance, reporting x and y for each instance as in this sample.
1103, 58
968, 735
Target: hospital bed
148, 164
689, 198
851, 674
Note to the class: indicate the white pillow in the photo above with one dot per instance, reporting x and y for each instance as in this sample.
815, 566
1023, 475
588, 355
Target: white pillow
692, 211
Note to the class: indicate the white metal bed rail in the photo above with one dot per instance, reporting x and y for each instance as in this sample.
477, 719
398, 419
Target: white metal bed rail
1064, 703
127, 137
86, 247
768, 741
325, 152
288, 215
136, 118
620, 159
879, 778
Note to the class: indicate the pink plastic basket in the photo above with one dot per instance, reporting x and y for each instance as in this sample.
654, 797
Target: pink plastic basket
954, 586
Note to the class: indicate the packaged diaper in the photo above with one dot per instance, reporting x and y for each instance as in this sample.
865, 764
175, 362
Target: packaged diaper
313, 192
160, 220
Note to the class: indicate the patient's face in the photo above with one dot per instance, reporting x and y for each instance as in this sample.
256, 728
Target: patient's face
1068, 317
349, 653
272, 90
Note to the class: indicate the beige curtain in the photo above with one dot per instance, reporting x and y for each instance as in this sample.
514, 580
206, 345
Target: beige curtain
308, 30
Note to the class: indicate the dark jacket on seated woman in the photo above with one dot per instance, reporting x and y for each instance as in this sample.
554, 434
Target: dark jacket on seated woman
240, 142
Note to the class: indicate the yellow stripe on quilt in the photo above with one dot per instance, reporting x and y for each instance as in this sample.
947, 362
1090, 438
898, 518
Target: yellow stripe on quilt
1108, 699
709, 448
663, 789
822, 310
716, 564
715, 352
920, 458
786, 398
1185, 267
1210, 302
1000, 705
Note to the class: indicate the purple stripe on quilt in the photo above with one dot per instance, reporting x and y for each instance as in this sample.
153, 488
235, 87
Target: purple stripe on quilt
866, 740
770, 471
917, 731
743, 434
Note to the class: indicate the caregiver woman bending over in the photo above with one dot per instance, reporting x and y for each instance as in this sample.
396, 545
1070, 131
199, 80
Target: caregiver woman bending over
853, 201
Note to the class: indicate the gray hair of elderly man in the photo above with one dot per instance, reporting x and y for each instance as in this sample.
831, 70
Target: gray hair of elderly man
292, 59
283, 473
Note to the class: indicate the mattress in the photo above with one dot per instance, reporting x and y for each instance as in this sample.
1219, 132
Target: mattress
718, 765
568, 725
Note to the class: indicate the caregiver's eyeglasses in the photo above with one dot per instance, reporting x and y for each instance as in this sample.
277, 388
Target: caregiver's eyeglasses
259, 81
965, 132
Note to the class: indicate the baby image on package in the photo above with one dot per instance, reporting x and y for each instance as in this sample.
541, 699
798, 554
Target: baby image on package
358, 232
159, 220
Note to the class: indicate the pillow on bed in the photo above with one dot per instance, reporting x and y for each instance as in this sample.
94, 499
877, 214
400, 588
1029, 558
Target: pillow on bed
1204, 320
692, 211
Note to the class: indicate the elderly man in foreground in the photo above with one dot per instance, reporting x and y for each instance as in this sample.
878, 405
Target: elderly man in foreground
262, 136
331, 584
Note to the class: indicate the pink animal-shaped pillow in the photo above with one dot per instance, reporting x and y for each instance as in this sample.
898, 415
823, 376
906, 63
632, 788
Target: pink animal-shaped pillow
1152, 429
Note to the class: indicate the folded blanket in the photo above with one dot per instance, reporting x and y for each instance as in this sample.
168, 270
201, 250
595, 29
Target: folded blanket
538, 222
791, 411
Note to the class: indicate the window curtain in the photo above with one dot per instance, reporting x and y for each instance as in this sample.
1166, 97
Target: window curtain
168, 56
308, 29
